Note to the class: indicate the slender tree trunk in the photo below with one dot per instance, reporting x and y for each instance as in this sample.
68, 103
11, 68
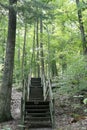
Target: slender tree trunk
19, 58
49, 65
34, 39
54, 68
33, 62
6, 88
37, 41
53, 61
3, 44
24, 53
81, 27
41, 46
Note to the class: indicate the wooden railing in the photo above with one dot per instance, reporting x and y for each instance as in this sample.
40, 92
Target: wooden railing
23, 99
51, 99
48, 95
28, 86
25, 96
44, 86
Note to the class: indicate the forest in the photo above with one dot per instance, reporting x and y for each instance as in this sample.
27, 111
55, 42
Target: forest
47, 39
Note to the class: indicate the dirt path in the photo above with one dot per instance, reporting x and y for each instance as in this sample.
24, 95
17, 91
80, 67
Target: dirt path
63, 118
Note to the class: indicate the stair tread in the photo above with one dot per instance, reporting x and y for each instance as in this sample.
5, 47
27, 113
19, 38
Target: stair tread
37, 109
36, 103
39, 114
36, 86
36, 106
38, 124
40, 102
37, 118
35, 81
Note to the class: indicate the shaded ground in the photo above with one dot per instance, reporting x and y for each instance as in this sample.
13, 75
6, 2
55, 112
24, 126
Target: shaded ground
69, 114
16, 107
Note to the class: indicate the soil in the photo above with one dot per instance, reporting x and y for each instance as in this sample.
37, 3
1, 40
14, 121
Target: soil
70, 113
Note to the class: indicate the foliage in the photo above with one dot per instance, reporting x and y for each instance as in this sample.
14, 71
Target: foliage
85, 101
60, 31
74, 78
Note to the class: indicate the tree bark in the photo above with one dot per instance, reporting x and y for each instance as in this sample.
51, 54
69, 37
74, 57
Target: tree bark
33, 62
24, 54
6, 87
41, 46
37, 42
83, 36
54, 68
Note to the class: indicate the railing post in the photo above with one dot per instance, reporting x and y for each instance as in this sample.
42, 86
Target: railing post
28, 89
44, 86
23, 105
53, 114
42, 77
47, 91
51, 103
25, 97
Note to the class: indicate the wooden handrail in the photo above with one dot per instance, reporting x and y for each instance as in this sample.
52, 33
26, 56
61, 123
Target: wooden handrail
25, 96
28, 86
47, 92
23, 101
50, 89
44, 86
43, 82
51, 102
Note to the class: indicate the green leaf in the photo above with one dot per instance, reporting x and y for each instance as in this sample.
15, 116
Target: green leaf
85, 101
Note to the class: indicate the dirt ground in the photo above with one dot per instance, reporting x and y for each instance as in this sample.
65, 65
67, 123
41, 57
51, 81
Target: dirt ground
69, 114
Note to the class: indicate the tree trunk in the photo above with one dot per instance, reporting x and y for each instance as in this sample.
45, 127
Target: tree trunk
41, 46
19, 57
33, 62
6, 88
54, 68
81, 27
3, 45
49, 65
37, 41
24, 53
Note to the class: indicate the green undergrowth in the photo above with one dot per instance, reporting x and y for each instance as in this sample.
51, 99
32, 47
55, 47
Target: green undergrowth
74, 79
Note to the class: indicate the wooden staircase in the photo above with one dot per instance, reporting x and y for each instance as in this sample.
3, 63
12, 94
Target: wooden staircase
36, 90
37, 114
36, 111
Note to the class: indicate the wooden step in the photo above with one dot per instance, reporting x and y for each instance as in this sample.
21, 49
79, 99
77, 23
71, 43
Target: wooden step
36, 114
36, 89
35, 79
36, 82
36, 110
38, 124
37, 103
35, 85
36, 93
36, 106
37, 118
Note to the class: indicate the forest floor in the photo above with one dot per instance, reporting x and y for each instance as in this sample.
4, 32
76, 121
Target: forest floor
70, 113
